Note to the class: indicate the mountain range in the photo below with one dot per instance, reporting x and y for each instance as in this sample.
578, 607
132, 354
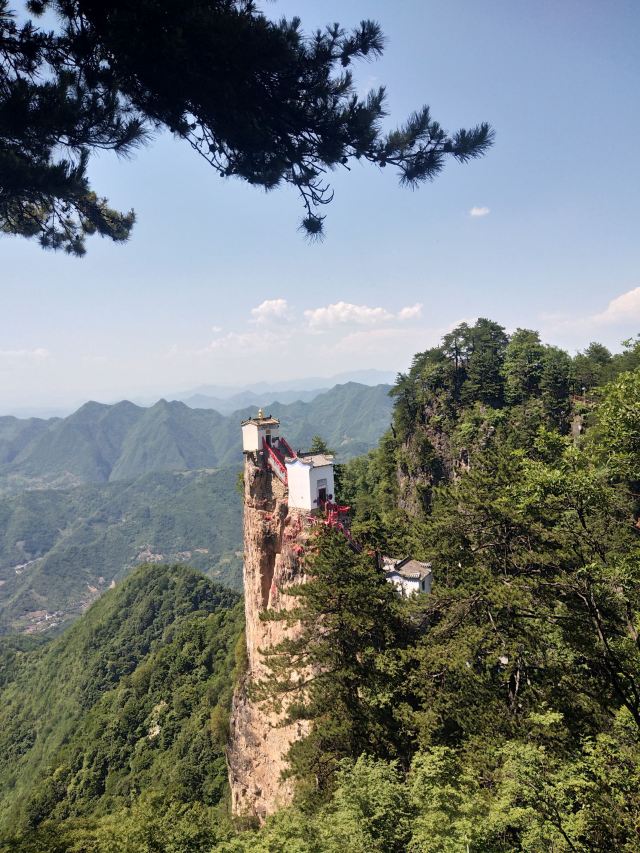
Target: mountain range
228, 398
87, 498
101, 443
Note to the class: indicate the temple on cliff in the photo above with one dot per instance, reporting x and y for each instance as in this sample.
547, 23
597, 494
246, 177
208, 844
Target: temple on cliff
308, 476
286, 494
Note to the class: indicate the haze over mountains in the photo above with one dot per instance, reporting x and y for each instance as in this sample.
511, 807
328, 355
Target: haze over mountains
86, 498
228, 398
101, 443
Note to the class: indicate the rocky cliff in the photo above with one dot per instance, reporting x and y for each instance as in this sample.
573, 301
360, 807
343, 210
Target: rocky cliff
274, 539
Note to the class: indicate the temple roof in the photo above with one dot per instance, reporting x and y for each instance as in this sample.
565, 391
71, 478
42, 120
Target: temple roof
406, 568
263, 421
316, 460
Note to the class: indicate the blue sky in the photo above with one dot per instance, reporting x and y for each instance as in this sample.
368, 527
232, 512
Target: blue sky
217, 285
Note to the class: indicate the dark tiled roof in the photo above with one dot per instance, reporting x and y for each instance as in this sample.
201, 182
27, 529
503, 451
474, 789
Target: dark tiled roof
407, 568
268, 421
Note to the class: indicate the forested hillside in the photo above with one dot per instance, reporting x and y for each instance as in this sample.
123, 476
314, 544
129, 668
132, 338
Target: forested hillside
61, 549
131, 700
499, 713
86, 498
101, 443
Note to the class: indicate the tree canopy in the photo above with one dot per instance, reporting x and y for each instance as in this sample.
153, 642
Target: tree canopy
499, 713
259, 100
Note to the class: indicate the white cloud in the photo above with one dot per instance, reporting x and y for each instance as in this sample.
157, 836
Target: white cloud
13, 356
216, 329
621, 310
479, 211
270, 310
346, 313
411, 312
245, 343
340, 313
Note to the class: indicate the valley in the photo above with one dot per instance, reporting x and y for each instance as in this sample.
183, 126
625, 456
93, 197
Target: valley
87, 498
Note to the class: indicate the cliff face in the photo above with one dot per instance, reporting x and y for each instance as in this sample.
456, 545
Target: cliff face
440, 444
274, 540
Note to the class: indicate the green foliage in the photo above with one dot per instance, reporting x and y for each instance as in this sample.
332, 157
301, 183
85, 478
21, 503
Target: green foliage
555, 384
618, 425
347, 649
150, 825
485, 343
282, 109
522, 366
370, 810
319, 445
51, 120
122, 703
72, 543
592, 367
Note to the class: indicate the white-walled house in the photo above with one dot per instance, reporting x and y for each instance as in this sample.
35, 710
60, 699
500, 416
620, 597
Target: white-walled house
308, 476
254, 430
310, 480
409, 576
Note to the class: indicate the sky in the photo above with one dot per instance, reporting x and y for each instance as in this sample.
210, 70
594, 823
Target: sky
217, 285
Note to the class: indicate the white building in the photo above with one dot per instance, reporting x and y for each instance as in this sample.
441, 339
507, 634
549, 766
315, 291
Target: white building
310, 480
255, 430
308, 476
408, 575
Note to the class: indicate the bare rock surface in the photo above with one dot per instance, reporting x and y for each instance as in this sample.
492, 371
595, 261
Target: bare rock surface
274, 542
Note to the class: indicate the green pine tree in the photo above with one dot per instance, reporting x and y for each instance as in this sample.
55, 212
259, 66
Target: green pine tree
348, 650
257, 99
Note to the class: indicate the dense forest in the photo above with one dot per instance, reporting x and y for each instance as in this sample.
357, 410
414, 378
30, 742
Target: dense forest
501, 712
129, 704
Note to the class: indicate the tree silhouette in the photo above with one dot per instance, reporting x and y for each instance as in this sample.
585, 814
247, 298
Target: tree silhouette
258, 99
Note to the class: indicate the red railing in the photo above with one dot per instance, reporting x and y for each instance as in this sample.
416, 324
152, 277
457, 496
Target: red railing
333, 514
275, 460
282, 442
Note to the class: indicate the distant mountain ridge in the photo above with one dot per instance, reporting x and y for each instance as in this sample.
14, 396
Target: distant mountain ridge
225, 398
228, 405
102, 443
308, 384
86, 498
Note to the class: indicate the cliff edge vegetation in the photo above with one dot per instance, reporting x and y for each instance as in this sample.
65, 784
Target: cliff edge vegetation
499, 713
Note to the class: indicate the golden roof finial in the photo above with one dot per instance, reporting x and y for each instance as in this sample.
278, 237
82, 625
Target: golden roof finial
260, 414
